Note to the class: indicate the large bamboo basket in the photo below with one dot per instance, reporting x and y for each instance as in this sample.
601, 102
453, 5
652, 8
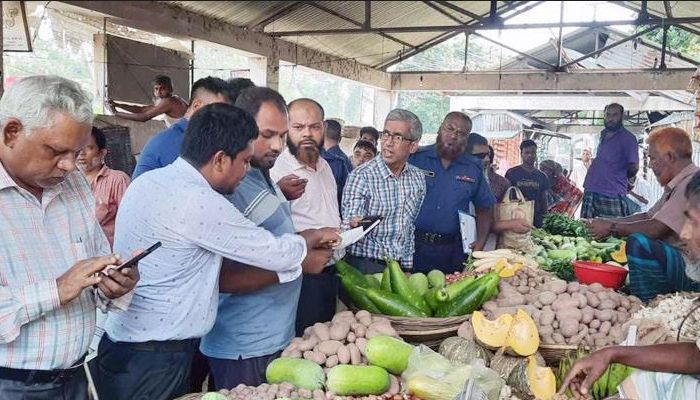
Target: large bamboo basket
553, 353
427, 331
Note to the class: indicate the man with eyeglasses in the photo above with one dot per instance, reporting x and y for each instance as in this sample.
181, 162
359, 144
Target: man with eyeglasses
454, 181
389, 187
315, 207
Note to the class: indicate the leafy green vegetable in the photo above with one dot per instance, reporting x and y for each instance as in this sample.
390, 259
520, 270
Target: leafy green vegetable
560, 224
561, 268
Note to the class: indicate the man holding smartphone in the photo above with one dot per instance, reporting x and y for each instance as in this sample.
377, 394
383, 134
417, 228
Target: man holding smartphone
317, 207
238, 350
147, 351
52, 248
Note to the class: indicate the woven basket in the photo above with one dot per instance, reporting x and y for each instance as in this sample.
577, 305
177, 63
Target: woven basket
191, 396
427, 331
553, 353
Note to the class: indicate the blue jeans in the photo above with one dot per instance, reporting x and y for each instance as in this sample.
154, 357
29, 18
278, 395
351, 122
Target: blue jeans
656, 268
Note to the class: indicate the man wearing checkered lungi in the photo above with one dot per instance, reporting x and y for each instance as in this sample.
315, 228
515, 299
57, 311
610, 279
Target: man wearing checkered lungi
657, 245
617, 160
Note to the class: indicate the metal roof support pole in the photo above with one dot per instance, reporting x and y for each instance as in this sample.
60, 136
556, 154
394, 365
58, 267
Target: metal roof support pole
561, 37
663, 48
368, 15
643, 13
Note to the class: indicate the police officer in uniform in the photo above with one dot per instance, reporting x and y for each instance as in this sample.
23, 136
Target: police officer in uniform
454, 180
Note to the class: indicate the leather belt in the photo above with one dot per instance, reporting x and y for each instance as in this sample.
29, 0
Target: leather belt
32, 376
437, 238
166, 346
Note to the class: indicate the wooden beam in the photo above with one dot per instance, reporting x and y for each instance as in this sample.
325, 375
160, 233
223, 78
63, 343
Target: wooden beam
285, 9
545, 81
358, 24
170, 20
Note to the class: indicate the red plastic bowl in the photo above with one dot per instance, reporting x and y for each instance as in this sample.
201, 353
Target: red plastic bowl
609, 276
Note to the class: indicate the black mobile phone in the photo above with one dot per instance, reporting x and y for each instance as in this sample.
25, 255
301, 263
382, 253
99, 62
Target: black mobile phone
367, 221
134, 260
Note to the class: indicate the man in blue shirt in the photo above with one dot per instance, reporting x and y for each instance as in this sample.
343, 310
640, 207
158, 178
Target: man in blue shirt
453, 180
252, 328
339, 162
163, 148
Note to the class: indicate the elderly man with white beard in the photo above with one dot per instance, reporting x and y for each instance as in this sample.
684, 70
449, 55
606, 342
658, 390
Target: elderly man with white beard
666, 371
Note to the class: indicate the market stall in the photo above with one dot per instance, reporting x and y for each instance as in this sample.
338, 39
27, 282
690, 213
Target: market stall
511, 323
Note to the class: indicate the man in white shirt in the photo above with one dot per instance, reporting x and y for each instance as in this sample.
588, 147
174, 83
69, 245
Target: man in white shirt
316, 207
641, 193
147, 351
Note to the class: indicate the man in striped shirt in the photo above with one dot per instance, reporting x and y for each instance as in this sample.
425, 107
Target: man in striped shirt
389, 187
52, 249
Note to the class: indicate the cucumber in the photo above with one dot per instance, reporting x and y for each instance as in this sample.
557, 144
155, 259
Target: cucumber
436, 297
392, 304
386, 280
388, 353
401, 286
355, 380
297, 371
345, 269
358, 298
471, 299
436, 279
458, 287
419, 282
373, 282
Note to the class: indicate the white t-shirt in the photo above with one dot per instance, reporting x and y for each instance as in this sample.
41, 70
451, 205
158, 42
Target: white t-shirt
643, 188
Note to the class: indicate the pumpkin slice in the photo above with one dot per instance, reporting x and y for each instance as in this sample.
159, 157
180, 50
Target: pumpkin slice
620, 256
491, 334
523, 337
542, 382
526, 376
509, 270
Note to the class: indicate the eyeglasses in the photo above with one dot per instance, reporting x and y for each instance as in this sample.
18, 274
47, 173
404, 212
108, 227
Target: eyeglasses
399, 138
480, 155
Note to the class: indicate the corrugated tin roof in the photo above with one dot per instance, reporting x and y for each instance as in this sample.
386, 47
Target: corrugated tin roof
370, 49
679, 9
674, 119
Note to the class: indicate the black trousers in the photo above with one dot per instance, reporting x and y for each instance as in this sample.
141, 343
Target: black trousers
73, 389
317, 299
135, 371
228, 374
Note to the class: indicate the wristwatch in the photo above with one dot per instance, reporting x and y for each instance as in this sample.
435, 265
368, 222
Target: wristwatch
613, 230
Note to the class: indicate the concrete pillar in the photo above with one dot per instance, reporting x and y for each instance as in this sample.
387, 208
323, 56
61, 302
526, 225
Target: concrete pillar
265, 71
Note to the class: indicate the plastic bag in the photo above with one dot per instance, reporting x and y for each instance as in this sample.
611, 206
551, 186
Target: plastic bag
431, 376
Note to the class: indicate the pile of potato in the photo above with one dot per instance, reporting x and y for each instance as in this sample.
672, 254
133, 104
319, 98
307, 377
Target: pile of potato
565, 313
287, 390
340, 341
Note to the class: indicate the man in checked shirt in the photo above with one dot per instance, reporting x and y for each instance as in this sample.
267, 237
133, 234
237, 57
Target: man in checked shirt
52, 249
390, 187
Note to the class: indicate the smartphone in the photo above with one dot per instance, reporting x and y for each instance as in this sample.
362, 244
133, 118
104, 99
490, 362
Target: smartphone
367, 221
134, 260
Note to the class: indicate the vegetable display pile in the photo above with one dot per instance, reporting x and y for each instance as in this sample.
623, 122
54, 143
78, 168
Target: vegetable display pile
418, 296
606, 385
557, 252
343, 340
565, 313
560, 224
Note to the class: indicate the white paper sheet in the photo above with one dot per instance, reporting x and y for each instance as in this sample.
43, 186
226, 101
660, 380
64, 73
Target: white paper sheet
467, 226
